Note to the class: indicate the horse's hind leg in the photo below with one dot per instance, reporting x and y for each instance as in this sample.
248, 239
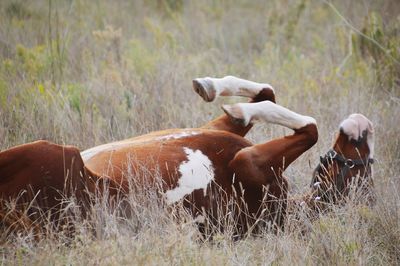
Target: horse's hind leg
210, 88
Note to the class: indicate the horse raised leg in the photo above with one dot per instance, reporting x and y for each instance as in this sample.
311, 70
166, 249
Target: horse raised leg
260, 166
190, 163
210, 88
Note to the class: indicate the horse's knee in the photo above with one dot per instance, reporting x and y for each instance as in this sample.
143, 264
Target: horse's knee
266, 94
310, 132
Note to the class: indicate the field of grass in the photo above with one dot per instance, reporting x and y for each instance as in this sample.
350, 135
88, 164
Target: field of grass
84, 73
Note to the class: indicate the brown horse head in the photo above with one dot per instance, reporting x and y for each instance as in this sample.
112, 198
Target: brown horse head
347, 163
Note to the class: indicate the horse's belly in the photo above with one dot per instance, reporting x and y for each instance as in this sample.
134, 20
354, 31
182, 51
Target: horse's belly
183, 160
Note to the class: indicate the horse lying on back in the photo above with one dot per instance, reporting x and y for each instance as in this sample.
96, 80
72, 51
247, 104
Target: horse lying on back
206, 168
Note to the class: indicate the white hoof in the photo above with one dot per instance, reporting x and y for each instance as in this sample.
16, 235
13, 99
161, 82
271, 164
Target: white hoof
205, 88
236, 114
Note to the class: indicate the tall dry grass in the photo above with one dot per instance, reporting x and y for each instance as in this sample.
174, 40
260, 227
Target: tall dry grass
89, 72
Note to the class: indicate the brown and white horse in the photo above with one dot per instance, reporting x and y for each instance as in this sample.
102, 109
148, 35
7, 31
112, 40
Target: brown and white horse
196, 165
347, 165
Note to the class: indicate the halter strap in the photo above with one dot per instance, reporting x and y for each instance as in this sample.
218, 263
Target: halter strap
348, 164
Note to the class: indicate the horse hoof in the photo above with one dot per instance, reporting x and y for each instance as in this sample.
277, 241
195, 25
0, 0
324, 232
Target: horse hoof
236, 115
204, 88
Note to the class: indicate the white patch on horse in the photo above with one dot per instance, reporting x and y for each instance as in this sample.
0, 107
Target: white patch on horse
355, 125
178, 135
196, 173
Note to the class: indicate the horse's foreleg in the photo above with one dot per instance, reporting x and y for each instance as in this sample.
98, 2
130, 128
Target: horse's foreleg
210, 88
261, 166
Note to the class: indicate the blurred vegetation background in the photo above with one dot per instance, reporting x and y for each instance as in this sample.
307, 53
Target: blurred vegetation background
85, 72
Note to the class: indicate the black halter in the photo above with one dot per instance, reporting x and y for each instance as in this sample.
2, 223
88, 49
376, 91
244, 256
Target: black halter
348, 164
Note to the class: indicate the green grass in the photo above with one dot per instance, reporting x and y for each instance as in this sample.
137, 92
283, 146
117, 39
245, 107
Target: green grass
90, 72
